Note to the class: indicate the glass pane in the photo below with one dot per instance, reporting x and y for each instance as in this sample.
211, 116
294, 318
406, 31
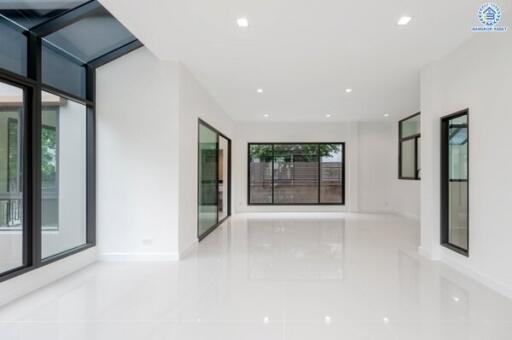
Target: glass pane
13, 49
295, 174
92, 37
63, 172
411, 126
260, 173
331, 173
208, 178
458, 182
223, 177
419, 157
408, 167
61, 72
30, 13
11, 197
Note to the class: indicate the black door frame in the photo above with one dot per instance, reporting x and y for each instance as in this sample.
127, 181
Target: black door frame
445, 178
200, 237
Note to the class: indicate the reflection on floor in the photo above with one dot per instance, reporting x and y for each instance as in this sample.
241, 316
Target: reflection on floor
266, 277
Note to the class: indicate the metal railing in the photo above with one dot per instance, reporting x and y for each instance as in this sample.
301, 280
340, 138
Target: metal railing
11, 210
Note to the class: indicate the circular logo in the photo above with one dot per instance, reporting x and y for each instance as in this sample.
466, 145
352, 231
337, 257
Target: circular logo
489, 14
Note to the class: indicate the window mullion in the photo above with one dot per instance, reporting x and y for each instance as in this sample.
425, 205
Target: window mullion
32, 166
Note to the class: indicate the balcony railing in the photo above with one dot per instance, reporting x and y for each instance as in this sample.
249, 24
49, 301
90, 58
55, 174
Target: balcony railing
11, 210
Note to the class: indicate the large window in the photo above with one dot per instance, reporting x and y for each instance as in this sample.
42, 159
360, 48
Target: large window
47, 126
12, 234
63, 175
454, 182
296, 173
409, 148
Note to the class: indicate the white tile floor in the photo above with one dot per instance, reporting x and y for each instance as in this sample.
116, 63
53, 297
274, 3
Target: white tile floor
266, 277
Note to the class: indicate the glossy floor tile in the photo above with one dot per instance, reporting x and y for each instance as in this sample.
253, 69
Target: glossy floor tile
271, 276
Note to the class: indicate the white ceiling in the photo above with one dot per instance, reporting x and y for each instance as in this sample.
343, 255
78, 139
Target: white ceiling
304, 53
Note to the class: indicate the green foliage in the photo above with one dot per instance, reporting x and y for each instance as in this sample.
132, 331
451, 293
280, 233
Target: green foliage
12, 130
307, 151
49, 155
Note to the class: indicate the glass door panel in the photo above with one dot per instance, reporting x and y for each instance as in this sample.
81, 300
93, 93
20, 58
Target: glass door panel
213, 179
455, 197
223, 177
208, 169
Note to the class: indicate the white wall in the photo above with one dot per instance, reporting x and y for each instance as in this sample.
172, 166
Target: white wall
147, 122
137, 158
380, 190
478, 76
194, 103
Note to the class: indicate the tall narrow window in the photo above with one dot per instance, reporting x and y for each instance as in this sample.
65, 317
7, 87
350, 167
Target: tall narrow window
63, 175
454, 182
296, 173
12, 229
409, 147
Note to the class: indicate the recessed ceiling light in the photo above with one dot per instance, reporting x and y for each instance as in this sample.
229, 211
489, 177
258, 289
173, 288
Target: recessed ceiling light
242, 22
386, 115
348, 90
404, 21
259, 90
327, 319
266, 319
328, 115
385, 319
266, 115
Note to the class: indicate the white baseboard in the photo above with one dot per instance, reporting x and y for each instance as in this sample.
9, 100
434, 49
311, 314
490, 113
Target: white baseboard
406, 215
185, 252
426, 253
138, 257
501, 287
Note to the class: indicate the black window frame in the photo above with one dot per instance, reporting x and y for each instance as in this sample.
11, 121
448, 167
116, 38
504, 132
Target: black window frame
30, 134
273, 203
401, 140
55, 189
445, 179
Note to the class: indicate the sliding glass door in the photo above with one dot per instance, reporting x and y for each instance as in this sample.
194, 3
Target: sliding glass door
214, 166
223, 178
454, 182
